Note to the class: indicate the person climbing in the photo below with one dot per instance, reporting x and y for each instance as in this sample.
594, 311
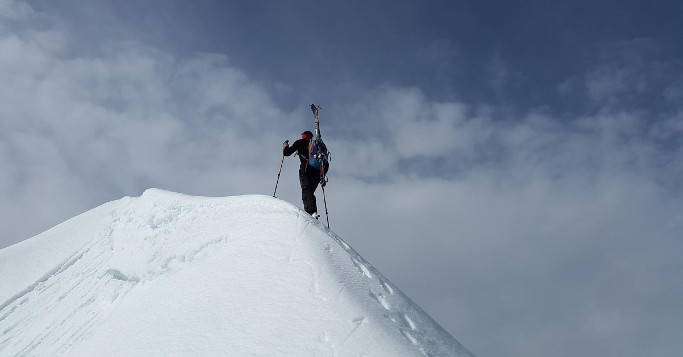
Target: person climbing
309, 176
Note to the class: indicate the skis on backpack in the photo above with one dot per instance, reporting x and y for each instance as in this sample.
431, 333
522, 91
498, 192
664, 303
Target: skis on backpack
315, 108
320, 155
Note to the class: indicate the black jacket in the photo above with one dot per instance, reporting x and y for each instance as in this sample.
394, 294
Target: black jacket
301, 148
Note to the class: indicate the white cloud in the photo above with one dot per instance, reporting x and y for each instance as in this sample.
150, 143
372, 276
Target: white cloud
418, 127
513, 218
11, 9
606, 84
103, 126
547, 222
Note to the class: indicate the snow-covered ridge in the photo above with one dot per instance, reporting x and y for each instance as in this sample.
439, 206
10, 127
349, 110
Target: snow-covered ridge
168, 274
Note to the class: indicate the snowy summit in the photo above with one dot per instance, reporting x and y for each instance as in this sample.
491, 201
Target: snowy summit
168, 274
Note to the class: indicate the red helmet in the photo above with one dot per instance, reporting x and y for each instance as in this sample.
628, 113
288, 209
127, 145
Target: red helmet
307, 135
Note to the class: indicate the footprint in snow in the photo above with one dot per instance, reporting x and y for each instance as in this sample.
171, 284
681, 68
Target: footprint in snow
120, 276
381, 299
386, 286
408, 321
362, 267
409, 336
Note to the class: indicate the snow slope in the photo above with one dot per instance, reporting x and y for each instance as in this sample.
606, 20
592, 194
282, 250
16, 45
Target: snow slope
169, 274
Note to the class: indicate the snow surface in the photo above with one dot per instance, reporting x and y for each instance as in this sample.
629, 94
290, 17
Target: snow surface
170, 274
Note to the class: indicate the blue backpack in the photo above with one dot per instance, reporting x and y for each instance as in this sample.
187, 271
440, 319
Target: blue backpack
317, 154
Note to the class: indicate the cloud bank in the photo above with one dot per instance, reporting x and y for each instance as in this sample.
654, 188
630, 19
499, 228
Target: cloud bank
552, 233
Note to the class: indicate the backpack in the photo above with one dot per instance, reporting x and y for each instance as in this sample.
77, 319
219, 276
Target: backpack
317, 153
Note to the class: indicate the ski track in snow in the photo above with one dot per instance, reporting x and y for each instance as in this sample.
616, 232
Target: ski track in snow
82, 282
140, 246
398, 316
397, 307
95, 278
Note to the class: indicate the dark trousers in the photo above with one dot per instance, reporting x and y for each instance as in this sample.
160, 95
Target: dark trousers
309, 178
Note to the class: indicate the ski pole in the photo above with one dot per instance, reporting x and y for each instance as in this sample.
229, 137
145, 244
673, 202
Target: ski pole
278, 174
327, 215
323, 183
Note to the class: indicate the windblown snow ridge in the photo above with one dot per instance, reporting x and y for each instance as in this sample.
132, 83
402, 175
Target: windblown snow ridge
167, 273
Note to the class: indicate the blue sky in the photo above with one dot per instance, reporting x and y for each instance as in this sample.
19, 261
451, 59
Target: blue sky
521, 55
513, 167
